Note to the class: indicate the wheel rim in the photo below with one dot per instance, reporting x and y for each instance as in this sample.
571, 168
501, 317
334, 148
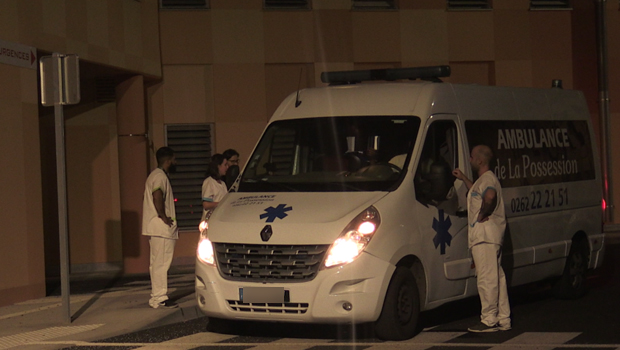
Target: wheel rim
405, 304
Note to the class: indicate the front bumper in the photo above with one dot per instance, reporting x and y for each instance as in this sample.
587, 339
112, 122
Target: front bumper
361, 283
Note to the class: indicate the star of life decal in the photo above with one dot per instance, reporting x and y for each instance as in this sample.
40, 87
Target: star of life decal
442, 237
278, 212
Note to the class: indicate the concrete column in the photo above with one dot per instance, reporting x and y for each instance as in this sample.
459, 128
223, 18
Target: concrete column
133, 170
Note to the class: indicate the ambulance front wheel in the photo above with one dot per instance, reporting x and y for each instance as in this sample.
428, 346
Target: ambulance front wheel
572, 284
401, 308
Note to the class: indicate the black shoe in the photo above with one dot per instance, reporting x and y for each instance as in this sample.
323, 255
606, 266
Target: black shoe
483, 328
167, 304
506, 327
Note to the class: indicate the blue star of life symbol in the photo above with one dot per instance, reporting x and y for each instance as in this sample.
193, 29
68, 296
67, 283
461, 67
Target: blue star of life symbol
277, 212
442, 237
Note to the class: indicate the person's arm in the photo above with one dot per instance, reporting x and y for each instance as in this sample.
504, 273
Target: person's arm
158, 201
489, 202
206, 205
459, 175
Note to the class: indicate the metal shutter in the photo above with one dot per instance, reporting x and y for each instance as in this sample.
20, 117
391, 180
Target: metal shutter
468, 4
183, 4
192, 148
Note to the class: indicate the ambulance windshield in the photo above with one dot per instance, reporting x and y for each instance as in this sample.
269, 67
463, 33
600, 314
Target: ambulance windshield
362, 153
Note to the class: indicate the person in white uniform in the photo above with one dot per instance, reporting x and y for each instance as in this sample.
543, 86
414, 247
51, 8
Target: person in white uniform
160, 225
213, 187
487, 223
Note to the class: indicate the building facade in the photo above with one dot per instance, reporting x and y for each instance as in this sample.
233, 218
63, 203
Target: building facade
148, 73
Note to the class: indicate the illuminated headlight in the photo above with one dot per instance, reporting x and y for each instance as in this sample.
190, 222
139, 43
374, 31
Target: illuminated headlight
204, 252
354, 238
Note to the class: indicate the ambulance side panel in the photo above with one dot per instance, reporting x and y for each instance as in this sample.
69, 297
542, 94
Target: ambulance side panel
548, 166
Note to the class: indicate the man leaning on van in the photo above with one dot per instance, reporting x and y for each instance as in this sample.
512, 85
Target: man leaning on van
486, 226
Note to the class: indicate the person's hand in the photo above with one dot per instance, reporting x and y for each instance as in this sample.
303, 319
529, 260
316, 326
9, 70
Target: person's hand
458, 174
168, 221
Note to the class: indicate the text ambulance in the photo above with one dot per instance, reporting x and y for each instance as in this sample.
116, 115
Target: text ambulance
347, 210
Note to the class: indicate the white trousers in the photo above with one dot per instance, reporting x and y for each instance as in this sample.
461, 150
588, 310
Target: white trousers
491, 284
162, 250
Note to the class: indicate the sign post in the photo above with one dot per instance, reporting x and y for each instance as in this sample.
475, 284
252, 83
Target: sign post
60, 85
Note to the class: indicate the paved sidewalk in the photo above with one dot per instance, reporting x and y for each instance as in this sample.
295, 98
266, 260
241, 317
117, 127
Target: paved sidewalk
101, 307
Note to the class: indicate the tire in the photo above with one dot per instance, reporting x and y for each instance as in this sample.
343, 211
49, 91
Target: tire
401, 308
572, 284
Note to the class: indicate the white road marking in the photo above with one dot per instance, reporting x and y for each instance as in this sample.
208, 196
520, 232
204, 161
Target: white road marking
42, 335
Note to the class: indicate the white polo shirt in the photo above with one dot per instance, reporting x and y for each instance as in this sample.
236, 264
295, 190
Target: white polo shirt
152, 225
492, 230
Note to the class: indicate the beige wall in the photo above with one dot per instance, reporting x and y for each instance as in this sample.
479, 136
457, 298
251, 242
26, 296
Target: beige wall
122, 34
231, 66
93, 186
111, 33
22, 269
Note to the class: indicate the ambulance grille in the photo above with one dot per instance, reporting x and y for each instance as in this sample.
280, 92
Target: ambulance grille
269, 263
269, 308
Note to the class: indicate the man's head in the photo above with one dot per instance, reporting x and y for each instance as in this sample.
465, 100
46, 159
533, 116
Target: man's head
166, 159
481, 156
232, 156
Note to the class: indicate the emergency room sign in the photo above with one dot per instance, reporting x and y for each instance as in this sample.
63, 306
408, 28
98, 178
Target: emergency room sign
18, 54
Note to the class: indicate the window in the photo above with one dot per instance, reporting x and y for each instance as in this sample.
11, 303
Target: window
286, 4
183, 4
433, 178
192, 148
374, 5
469, 4
331, 154
550, 5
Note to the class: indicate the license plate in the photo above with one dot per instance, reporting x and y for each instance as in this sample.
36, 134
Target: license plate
261, 294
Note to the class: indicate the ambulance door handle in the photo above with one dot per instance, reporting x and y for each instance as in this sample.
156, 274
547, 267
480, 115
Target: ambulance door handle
461, 213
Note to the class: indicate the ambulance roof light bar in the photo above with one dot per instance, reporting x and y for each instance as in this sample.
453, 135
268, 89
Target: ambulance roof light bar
432, 73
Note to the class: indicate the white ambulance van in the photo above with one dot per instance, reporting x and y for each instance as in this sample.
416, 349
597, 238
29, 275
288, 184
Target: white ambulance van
347, 211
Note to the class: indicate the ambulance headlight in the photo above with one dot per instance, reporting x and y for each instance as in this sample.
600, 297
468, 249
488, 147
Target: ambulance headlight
205, 252
354, 238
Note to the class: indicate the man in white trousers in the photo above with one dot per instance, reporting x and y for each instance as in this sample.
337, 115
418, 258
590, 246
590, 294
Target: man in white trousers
487, 222
159, 223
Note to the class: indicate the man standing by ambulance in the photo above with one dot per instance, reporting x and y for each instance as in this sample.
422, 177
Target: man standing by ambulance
487, 222
159, 223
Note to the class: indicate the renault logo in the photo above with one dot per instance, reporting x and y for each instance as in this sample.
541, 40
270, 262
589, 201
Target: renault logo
266, 233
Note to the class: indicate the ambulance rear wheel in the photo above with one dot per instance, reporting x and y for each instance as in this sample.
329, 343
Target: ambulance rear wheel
572, 284
401, 308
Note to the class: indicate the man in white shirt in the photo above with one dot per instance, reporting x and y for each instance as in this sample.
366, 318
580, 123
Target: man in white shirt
487, 223
159, 223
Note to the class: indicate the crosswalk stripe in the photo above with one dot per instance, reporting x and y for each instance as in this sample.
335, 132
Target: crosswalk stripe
292, 344
552, 338
361, 345
189, 341
423, 341
43, 334
542, 340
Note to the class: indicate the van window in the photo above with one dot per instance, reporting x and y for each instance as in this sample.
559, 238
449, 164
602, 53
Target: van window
361, 153
433, 179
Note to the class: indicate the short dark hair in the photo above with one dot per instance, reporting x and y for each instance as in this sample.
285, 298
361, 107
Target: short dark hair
229, 153
213, 171
163, 154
